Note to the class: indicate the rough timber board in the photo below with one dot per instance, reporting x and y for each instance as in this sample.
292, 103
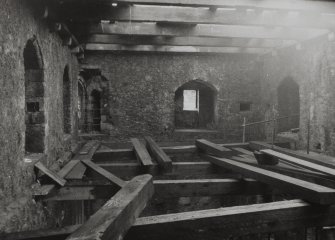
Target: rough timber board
312, 192
111, 177
141, 153
302, 163
322, 160
160, 156
45, 234
213, 148
114, 219
205, 30
54, 176
77, 172
226, 222
67, 168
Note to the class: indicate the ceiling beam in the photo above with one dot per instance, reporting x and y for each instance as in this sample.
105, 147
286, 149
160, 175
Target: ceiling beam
296, 5
174, 49
190, 15
206, 30
187, 41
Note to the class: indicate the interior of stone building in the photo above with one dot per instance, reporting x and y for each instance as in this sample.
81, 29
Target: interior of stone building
167, 119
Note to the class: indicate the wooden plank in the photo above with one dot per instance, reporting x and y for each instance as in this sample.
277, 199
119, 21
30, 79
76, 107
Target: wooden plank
53, 175
44, 234
176, 49
165, 189
87, 147
43, 190
289, 5
179, 169
188, 41
67, 168
190, 15
77, 172
160, 156
114, 219
226, 222
207, 187
322, 160
213, 148
244, 151
111, 177
206, 30
142, 154
306, 190
299, 162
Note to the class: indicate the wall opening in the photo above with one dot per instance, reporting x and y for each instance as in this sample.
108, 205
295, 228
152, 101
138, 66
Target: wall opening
195, 105
288, 104
66, 101
34, 98
82, 100
95, 110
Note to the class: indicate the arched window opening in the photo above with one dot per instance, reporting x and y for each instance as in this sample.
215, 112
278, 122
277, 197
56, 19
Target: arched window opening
195, 105
66, 100
95, 110
34, 98
82, 106
288, 104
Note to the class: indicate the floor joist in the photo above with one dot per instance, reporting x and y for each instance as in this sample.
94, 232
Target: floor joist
206, 30
289, 5
190, 15
226, 222
303, 189
188, 41
173, 49
118, 214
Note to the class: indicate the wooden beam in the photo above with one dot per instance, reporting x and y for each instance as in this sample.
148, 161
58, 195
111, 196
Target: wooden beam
299, 162
207, 187
181, 169
206, 30
67, 168
114, 219
44, 234
160, 156
188, 41
111, 177
51, 174
306, 190
226, 222
142, 154
168, 189
88, 146
288, 5
322, 160
77, 172
175, 49
190, 15
212, 148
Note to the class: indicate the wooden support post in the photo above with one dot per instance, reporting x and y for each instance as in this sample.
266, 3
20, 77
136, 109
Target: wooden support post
213, 148
306, 190
114, 219
142, 154
160, 156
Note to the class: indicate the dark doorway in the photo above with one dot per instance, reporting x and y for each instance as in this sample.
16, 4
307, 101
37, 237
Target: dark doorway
288, 104
195, 105
66, 101
96, 110
34, 98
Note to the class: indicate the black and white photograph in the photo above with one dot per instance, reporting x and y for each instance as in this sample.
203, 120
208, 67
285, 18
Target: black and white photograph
167, 120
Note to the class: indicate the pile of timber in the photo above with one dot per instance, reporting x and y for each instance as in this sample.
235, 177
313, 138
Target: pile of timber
309, 180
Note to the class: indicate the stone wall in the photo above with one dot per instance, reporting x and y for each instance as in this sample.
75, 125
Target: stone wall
18, 24
142, 89
313, 68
